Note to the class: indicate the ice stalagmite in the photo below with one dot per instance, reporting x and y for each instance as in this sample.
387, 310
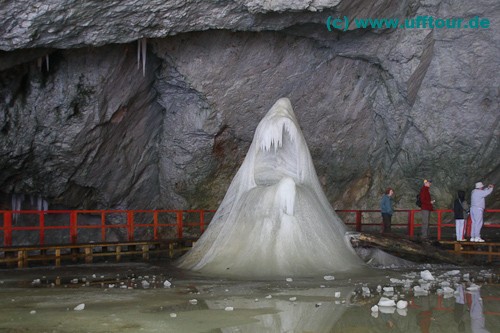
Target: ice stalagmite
275, 219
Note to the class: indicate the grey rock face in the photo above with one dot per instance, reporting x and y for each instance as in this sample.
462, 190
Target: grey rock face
71, 23
82, 127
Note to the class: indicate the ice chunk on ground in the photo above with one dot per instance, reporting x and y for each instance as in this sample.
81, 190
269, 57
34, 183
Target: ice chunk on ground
228, 308
426, 275
402, 304
329, 277
384, 301
375, 308
419, 291
167, 284
79, 307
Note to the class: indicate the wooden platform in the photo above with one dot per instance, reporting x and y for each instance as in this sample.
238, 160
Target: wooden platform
55, 254
488, 249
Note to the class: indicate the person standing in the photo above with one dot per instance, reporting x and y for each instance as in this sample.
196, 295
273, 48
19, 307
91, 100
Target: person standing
460, 209
386, 209
477, 203
427, 208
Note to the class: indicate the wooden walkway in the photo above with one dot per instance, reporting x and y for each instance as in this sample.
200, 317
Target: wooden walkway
488, 249
55, 254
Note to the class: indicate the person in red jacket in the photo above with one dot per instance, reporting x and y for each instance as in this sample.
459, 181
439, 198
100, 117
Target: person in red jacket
427, 208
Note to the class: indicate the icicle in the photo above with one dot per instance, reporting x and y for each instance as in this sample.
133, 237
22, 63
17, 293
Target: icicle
17, 200
138, 54
47, 61
39, 203
143, 48
141, 54
272, 133
13, 206
45, 205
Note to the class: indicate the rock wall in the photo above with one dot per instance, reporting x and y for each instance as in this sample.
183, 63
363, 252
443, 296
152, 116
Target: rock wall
83, 127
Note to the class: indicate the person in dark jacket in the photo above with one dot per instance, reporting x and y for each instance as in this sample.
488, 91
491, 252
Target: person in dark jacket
386, 209
461, 210
427, 208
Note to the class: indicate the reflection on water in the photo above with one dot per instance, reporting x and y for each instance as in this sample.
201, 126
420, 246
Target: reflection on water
454, 303
295, 310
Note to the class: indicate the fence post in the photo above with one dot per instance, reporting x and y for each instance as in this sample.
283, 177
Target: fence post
103, 225
202, 221
155, 225
7, 228
439, 224
130, 224
358, 220
42, 227
179, 224
73, 231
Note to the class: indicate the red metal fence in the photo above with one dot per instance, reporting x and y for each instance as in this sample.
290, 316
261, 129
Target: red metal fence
175, 223
440, 219
73, 222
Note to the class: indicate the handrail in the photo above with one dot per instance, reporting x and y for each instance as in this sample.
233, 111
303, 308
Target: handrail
155, 220
411, 224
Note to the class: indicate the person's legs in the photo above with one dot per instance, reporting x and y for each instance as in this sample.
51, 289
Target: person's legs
425, 224
476, 215
480, 225
386, 218
459, 226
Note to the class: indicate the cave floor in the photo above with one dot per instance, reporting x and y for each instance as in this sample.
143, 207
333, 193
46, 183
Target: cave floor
132, 297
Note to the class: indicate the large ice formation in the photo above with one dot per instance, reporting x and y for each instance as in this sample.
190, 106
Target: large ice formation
275, 219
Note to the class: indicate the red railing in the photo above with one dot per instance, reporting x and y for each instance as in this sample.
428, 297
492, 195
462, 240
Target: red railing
176, 222
75, 221
437, 220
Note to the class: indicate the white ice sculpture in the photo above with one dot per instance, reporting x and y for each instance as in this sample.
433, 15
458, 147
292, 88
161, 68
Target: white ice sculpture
275, 219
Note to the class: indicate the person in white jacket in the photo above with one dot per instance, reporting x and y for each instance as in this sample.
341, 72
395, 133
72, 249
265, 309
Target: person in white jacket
477, 206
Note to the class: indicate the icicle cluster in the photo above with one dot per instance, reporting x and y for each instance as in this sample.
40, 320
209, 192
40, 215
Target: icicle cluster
17, 200
141, 54
271, 131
